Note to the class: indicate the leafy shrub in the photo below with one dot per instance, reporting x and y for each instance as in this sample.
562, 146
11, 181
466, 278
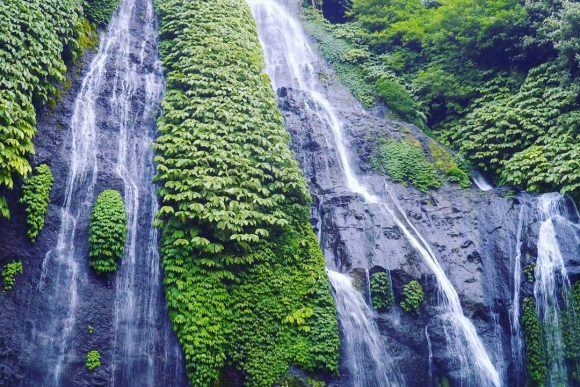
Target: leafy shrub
535, 351
244, 276
35, 196
381, 291
93, 360
35, 37
571, 328
9, 274
455, 171
405, 162
400, 103
100, 11
107, 232
412, 297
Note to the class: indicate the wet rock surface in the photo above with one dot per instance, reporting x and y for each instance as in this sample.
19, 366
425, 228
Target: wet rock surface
472, 233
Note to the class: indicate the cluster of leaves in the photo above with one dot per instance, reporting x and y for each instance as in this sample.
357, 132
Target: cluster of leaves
532, 137
100, 11
529, 272
534, 338
571, 330
93, 360
9, 274
381, 291
245, 280
37, 38
412, 297
35, 196
404, 161
107, 232
497, 79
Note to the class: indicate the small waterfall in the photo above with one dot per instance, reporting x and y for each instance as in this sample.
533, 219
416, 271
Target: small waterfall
480, 181
367, 360
290, 62
113, 126
517, 338
552, 286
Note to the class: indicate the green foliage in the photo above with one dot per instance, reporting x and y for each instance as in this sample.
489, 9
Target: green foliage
100, 11
405, 162
498, 79
35, 36
529, 272
399, 101
571, 330
93, 360
412, 297
9, 274
381, 291
35, 196
455, 171
244, 276
107, 232
534, 338
352, 61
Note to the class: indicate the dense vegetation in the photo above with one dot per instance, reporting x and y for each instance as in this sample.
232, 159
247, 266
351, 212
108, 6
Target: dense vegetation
100, 11
412, 297
93, 360
9, 273
107, 232
35, 196
495, 79
382, 296
38, 39
405, 162
245, 280
534, 337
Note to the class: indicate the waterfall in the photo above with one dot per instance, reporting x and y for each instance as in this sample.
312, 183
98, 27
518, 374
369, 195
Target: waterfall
517, 339
361, 346
290, 63
113, 125
552, 286
480, 181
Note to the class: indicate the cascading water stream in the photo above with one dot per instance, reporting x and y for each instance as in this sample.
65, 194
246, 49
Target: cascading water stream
517, 338
113, 126
552, 286
361, 346
290, 63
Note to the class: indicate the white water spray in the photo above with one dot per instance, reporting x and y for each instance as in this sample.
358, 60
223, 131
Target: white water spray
552, 286
290, 62
362, 346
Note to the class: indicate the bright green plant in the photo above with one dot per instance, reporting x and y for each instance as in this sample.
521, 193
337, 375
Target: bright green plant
37, 39
399, 101
9, 274
381, 291
412, 297
405, 162
571, 329
100, 11
244, 276
535, 351
93, 360
107, 232
35, 196
529, 272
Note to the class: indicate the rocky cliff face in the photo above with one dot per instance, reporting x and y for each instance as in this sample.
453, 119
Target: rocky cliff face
473, 234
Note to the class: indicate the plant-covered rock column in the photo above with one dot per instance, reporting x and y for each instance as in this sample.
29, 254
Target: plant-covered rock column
245, 279
107, 232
